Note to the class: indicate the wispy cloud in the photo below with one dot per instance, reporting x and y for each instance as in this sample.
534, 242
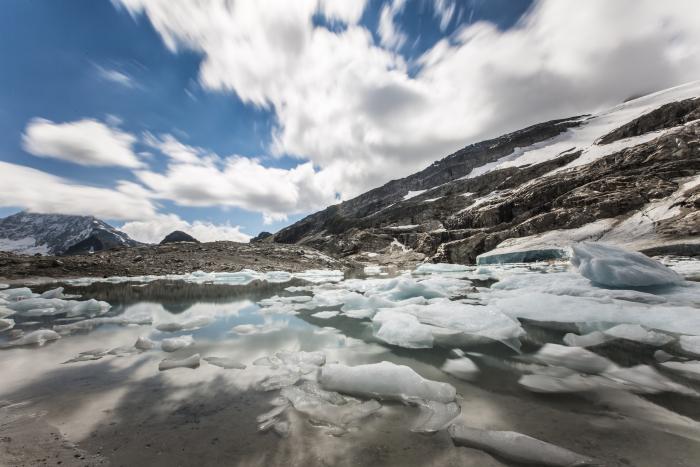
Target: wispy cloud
115, 76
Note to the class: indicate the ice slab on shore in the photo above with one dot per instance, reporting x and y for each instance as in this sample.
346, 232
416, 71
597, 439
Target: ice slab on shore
173, 344
384, 380
518, 447
616, 267
170, 363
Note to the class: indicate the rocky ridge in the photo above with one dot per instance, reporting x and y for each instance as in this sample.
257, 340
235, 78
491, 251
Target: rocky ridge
629, 176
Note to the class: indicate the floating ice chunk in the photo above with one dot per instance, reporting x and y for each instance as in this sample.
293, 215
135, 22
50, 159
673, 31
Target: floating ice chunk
430, 268
38, 337
575, 358
273, 413
585, 340
637, 333
402, 329
320, 275
53, 293
689, 369
91, 323
645, 379
189, 325
616, 267
282, 379
372, 270
173, 344
661, 356
90, 307
225, 362
264, 328
384, 380
6, 324
144, 343
325, 314
20, 293
518, 447
565, 382
170, 363
462, 368
321, 411
469, 319
88, 355
4, 286
282, 428
302, 358
435, 416
313, 388
690, 344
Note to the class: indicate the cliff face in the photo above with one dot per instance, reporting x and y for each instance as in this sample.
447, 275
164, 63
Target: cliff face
629, 175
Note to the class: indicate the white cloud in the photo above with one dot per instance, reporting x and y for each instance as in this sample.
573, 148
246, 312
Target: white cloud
41, 192
84, 142
350, 106
177, 151
238, 181
389, 32
154, 230
444, 10
115, 76
346, 11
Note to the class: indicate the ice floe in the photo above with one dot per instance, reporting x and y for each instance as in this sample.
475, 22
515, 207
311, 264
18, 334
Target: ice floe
144, 343
38, 337
461, 368
402, 329
170, 363
173, 344
225, 363
518, 447
384, 380
617, 267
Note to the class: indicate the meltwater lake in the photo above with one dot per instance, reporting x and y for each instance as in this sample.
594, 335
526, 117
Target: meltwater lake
426, 367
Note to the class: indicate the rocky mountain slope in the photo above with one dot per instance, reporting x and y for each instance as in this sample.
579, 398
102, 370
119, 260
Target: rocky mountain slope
630, 175
57, 234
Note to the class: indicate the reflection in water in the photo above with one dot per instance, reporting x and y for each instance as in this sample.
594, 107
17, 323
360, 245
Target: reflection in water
110, 398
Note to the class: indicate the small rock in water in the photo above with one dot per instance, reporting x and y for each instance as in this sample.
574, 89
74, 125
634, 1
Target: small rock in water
225, 362
518, 447
170, 363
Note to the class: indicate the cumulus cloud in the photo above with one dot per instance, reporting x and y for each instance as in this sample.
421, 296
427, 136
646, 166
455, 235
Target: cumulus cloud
195, 179
41, 192
85, 142
350, 106
154, 230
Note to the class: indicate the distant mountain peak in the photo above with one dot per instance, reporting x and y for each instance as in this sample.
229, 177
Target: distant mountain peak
57, 234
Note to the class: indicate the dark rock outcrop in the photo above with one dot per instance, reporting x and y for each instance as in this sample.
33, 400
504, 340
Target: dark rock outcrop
261, 236
178, 236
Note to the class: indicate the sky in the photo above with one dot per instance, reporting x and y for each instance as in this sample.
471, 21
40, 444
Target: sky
225, 118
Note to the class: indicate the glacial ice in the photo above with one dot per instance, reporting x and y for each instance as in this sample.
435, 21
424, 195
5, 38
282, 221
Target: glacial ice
225, 363
188, 325
38, 337
144, 343
322, 412
575, 358
585, 340
6, 324
173, 344
690, 369
617, 267
402, 329
435, 416
690, 344
170, 363
461, 368
325, 314
384, 380
637, 333
518, 447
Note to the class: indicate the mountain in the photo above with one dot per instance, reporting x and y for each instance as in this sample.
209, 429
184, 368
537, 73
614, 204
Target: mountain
628, 175
178, 236
58, 234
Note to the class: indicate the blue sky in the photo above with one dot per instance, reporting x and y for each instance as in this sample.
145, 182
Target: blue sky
228, 119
